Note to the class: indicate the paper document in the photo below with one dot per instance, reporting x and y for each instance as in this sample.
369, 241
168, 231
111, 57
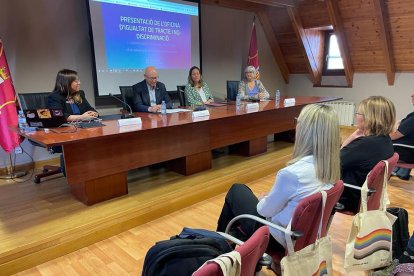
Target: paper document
175, 110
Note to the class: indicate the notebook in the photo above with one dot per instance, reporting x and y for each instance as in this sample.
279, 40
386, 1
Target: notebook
44, 117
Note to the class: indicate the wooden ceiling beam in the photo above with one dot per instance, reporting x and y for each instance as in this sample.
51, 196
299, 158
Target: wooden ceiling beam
339, 30
311, 60
273, 43
385, 37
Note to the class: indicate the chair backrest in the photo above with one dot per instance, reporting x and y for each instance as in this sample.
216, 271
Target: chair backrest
181, 95
232, 90
33, 100
127, 94
250, 252
375, 181
307, 215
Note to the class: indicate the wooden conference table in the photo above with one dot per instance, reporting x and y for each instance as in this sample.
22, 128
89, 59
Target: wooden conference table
97, 160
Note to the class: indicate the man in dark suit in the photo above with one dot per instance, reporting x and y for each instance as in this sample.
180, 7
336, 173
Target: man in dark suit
149, 93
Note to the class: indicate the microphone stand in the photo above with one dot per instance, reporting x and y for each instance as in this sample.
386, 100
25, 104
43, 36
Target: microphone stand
124, 116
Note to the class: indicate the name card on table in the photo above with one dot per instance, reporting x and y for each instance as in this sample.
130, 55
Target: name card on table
129, 121
289, 102
200, 119
201, 113
252, 107
130, 128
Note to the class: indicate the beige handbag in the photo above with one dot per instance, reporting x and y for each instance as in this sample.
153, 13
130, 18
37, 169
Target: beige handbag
369, 244
315, 259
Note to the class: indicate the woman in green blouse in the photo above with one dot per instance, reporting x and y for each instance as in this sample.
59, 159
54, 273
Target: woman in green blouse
197, 91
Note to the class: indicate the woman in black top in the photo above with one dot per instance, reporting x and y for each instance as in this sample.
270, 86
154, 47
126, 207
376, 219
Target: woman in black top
368, 145
68, 97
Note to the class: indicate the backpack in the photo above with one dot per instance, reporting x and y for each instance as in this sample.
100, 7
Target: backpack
400, 235
185, 253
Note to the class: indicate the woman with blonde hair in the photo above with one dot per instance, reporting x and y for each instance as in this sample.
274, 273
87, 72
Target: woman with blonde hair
368, 145
250, 87
314, 167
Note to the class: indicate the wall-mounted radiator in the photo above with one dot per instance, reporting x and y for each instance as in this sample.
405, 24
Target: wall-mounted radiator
345, 110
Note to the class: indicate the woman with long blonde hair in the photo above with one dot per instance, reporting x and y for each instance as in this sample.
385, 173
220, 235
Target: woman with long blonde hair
314, 167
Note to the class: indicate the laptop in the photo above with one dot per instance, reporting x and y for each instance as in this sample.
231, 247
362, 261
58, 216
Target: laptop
44, 117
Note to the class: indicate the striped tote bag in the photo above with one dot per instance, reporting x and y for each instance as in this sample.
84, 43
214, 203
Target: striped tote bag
369, 244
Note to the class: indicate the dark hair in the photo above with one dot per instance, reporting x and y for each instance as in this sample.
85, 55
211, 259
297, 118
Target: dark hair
64, 79
190, 80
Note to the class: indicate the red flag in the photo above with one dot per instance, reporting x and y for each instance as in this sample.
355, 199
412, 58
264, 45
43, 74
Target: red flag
8, 115
253, 58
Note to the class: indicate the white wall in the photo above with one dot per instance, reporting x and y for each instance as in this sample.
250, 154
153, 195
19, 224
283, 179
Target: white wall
365, 85
226, 38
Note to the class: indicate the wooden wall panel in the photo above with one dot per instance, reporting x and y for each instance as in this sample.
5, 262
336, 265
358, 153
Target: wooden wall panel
362, 30
401, 14
313, 14
280, 21
288, 42
356, 9
317, 41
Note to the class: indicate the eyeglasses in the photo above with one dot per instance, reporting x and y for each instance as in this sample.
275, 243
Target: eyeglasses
295, 120
77, 81
151, 78
357, 113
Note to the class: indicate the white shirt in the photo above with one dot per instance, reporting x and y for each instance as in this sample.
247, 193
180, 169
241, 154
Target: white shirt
153, 98
202, 94
292, 184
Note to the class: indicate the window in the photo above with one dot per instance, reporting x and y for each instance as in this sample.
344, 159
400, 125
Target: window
333, 61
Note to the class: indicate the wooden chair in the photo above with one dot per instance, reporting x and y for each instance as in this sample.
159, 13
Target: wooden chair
250, 251
35, 101
305, 220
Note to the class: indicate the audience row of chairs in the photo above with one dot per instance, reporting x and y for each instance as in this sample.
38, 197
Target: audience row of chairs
305, 223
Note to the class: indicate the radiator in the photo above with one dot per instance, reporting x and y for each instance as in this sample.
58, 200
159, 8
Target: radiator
345, 111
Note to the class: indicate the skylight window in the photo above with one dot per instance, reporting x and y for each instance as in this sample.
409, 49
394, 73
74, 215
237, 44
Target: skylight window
333, 58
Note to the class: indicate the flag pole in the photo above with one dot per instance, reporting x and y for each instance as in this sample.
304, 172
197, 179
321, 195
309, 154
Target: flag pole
12, 174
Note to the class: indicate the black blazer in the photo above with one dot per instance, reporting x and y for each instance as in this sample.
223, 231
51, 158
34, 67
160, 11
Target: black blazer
142, 99
56, 101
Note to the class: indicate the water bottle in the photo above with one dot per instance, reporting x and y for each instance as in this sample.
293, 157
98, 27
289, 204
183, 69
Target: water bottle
277, 97
22, 121
238, 99
163, 108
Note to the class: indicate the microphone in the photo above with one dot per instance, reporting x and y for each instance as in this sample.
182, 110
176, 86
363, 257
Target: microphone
124, 116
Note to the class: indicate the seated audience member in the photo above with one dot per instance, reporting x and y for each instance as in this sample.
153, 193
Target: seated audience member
197, 91
404, 134
368, 145
250, 87
67, 96
149, 93
315, 166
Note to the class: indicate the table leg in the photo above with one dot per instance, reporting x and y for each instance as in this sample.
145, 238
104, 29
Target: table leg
101, 189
